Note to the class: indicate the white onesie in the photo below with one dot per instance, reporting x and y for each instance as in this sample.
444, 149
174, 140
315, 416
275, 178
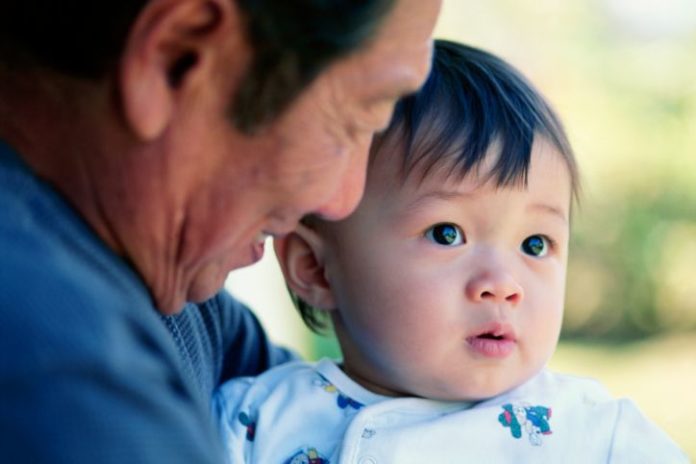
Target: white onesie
302, 413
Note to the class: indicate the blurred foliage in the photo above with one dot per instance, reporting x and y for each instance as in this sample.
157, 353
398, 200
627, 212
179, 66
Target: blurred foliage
632, 263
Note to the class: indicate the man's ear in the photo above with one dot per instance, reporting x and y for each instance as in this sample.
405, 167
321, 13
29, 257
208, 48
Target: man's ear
301, 258
173, 45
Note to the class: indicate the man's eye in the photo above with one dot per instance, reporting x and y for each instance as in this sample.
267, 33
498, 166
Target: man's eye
535, 245
445, 234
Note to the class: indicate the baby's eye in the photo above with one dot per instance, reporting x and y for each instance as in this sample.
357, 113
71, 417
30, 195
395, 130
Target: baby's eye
445, 234
535, 245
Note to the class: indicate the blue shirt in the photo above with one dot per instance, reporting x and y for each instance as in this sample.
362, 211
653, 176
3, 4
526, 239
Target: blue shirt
89, 371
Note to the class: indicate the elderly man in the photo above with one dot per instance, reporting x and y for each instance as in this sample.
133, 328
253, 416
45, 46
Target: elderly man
147, 147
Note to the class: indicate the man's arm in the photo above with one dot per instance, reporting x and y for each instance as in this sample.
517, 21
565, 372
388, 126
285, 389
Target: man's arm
248, 350
220, 339
79, 385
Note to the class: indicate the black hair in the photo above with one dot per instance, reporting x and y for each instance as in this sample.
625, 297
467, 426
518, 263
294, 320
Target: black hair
293, 41
471, 102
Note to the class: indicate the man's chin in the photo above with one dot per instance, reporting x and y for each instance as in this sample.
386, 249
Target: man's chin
171, 305
210, 280
205, 287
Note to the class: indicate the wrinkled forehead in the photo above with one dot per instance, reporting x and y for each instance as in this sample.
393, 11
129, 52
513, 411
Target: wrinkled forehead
410, 22
397, 60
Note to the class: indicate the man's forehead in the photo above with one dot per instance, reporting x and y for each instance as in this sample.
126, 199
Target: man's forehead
416, 17
401, 51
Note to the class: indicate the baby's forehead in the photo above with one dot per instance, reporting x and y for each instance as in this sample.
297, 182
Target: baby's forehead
394, 165
391, 170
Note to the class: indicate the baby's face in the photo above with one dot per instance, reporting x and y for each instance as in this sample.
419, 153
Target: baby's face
451, 289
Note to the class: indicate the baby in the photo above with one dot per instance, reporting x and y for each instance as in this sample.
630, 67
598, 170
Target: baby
445, 289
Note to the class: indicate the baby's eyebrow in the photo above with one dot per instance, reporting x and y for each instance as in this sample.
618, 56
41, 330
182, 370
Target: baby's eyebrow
423, 201
442, 195
549, 209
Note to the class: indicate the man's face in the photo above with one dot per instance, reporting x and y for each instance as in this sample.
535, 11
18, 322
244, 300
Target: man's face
450, 289
312, 159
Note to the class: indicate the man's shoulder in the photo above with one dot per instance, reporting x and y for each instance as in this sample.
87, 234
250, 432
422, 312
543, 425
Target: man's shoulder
49, 269
84, 357
61, 290
48, 249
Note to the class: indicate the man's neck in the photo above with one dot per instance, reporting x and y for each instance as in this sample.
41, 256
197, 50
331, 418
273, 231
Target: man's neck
53, 129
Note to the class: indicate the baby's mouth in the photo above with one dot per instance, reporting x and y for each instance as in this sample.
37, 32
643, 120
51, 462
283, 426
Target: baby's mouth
491, 336
494, 341
496, 331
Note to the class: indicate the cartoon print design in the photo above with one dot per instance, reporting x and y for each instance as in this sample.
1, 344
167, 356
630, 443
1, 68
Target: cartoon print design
307, 456
533, 420
249, 424
327, 386
342, 400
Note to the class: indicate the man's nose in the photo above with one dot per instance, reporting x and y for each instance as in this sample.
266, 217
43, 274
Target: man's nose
494, 284
345, 200
350, 189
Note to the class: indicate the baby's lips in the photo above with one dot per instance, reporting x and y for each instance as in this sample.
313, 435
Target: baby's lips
495, 331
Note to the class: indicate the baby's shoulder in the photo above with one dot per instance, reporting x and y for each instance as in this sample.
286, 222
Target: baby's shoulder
282, 378
569, 387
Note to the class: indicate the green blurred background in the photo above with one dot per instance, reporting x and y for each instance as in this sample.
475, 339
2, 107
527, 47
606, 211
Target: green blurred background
622, 75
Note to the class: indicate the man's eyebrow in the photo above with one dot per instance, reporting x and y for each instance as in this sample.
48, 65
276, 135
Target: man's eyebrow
549, 209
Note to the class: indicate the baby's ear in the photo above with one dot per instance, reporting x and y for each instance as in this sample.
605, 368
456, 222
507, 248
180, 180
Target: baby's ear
301, 258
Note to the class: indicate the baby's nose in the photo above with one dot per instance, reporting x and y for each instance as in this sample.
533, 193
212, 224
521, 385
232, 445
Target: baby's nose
495, 285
